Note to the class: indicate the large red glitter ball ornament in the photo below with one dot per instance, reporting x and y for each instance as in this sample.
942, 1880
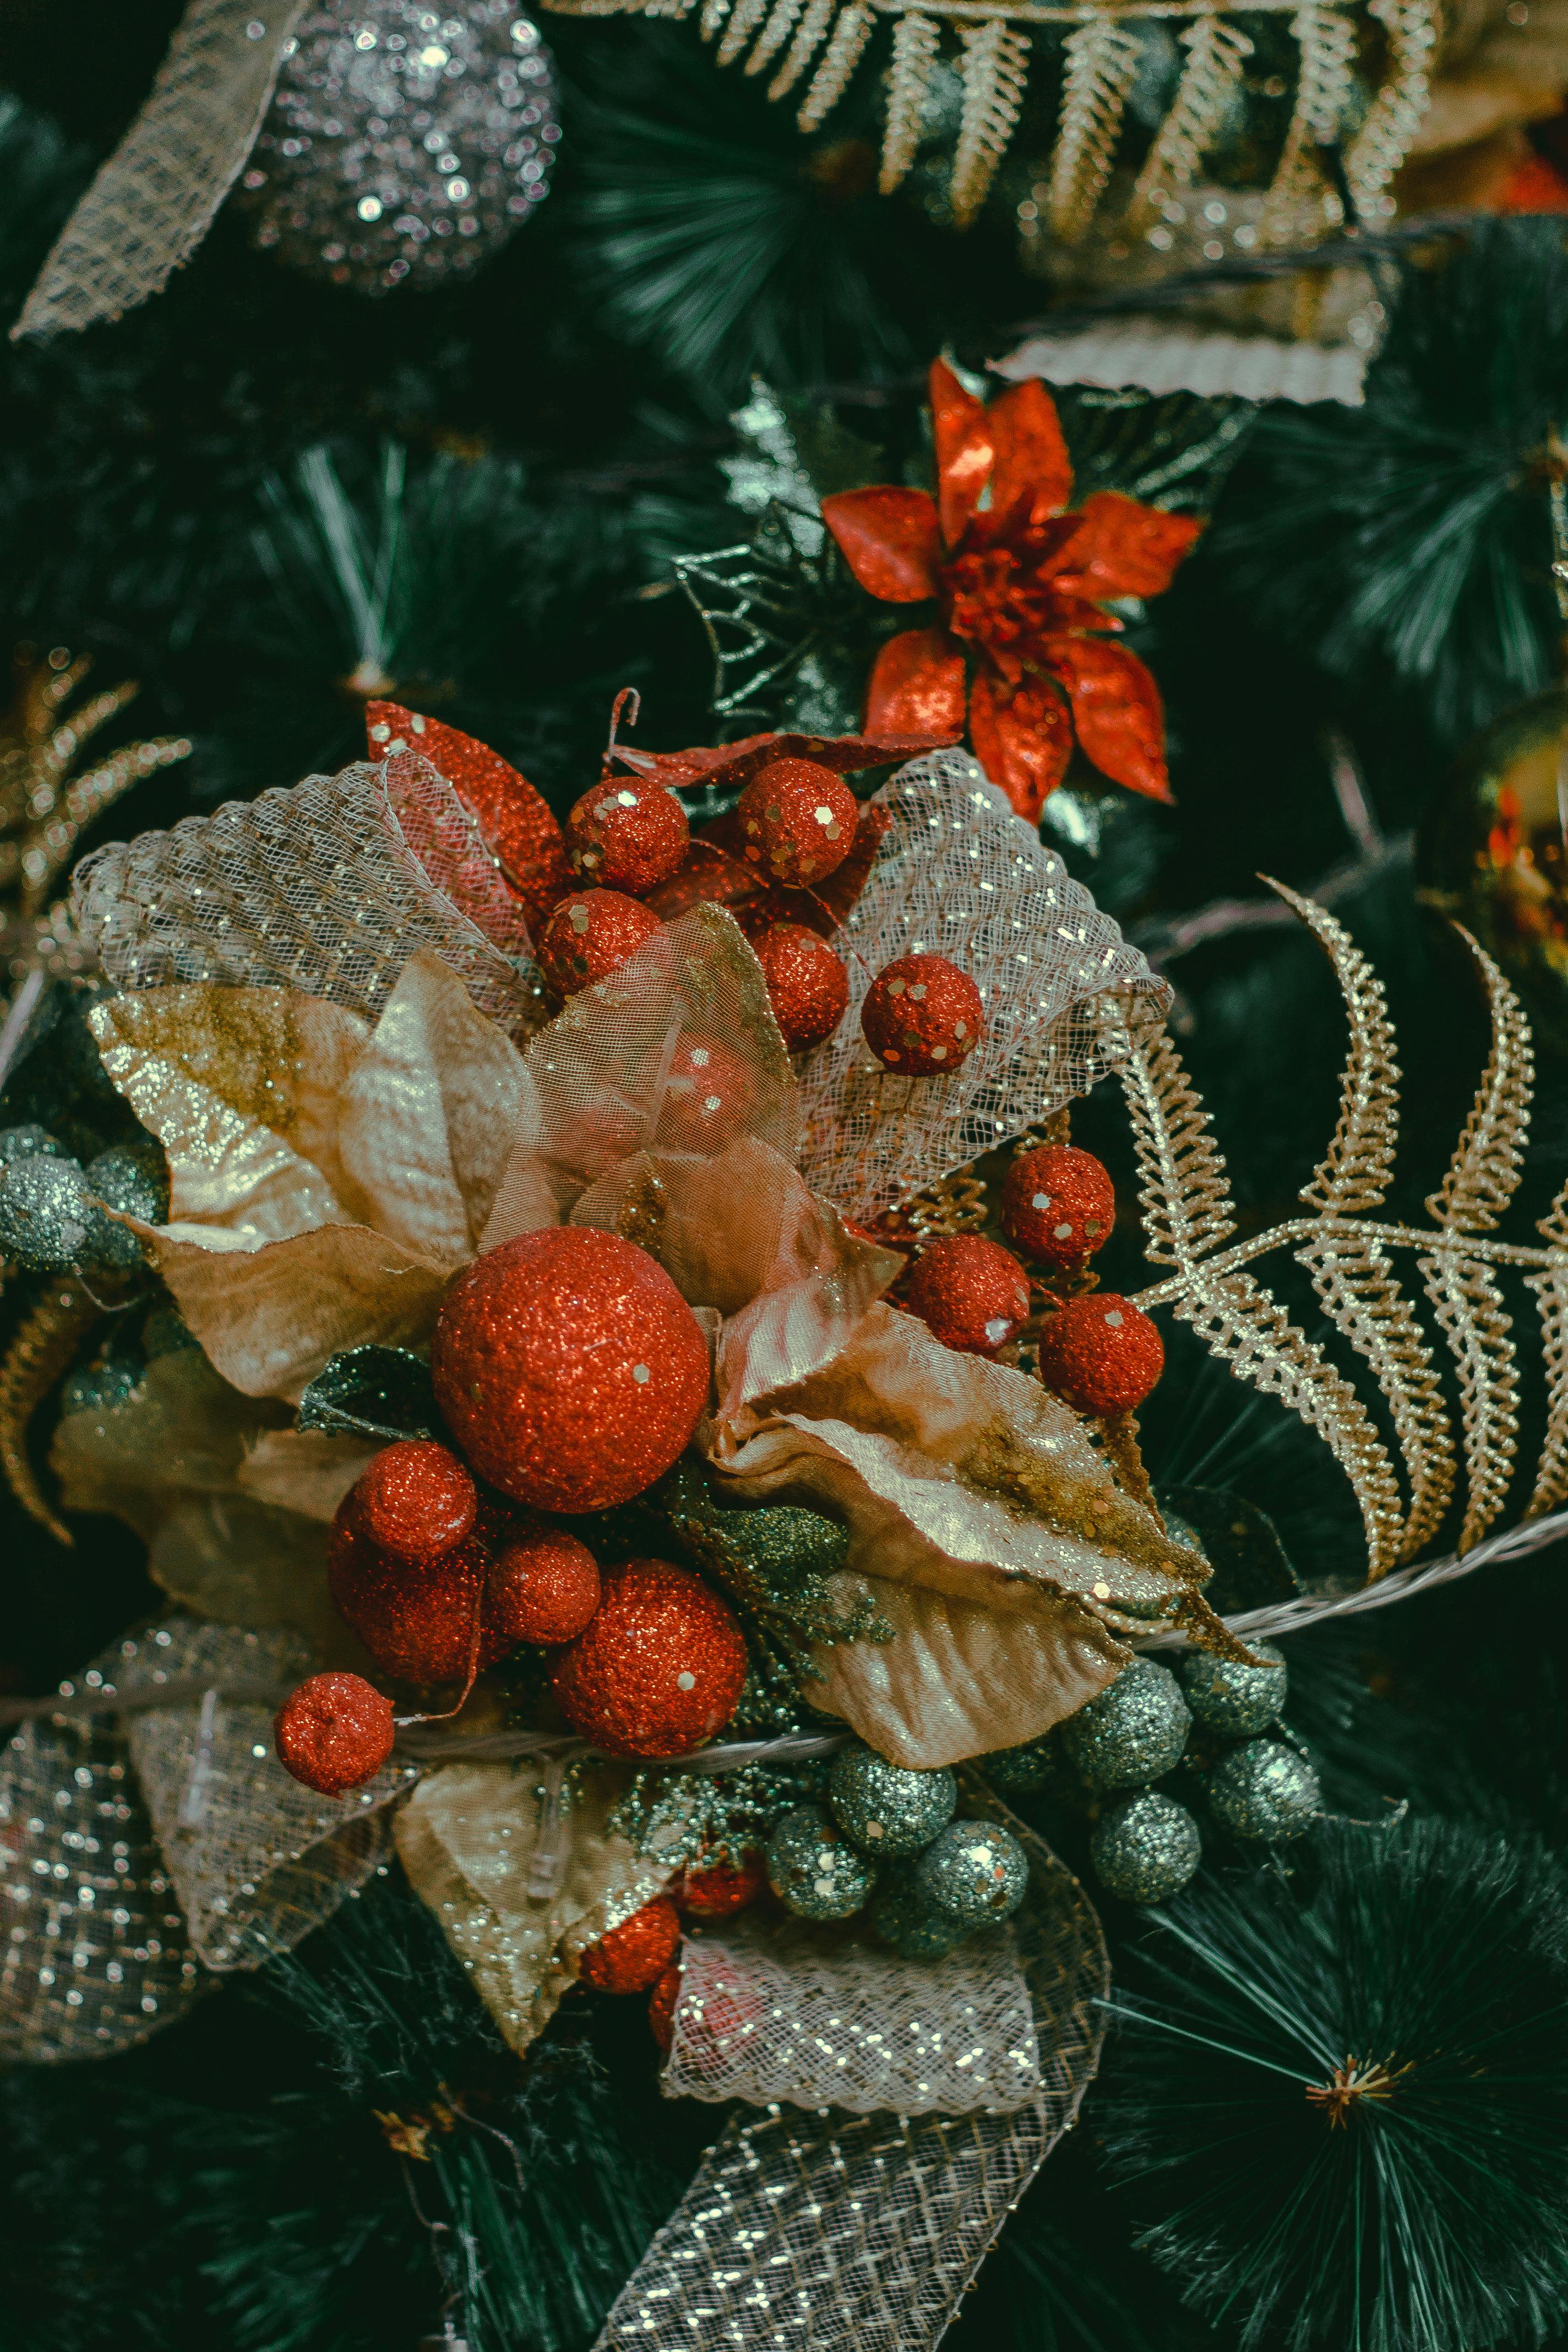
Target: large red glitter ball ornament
627, 834
922, 1016
590, 934
660, 1668
544, 1586
1058, 1204
797, 821
417, 1618
569, 1368
808, 987
709, 1092
1101, 1353
713, 1888
333, 1732
417, 1500
661, 2007
635, 1954
973, 1293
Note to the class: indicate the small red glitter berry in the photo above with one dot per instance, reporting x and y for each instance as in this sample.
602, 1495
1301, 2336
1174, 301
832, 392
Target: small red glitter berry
661, 2007
1058, 1204
717, 1889
417, 1618
709, 1094
570, 1368
544, 1586
1101, 1353
797, 821
635, 1955
808, 987
660, 1668
627, 834
417, 1500
333, 1732
590, 934
973, 1293
922, 1016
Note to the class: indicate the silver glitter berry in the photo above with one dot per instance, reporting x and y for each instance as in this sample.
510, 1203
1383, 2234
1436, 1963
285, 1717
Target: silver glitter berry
1264, 1790
30, 1142
1133, 1732
99, 1388
1018, 1771
973, 1873
814, 1869
405, 142
47, 1219
132, 1178
1145, 1847
883, 1809
915, 1931
1234, 1699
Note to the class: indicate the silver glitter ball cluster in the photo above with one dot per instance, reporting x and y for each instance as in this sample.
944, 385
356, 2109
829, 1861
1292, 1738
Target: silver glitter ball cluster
405, 143
1233, 1699
813, 1868
1019, 1771
973, 1873
1133, 1732
1265, 1790
1145, 1847
902, 1918
884, 1809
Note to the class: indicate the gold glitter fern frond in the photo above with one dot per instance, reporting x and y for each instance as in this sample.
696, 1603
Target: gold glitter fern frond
1190, 1227
43, 1348
996, 67
1217, 52
1101, 66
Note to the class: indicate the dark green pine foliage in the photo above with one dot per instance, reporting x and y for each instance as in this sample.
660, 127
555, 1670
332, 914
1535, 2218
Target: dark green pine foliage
1421, 2206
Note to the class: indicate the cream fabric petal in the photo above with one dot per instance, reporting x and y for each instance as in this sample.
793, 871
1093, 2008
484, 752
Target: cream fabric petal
225, 1557
958, 1678
468, 1838
183, 1430
271, 1318
430, 1113
241, 1088
307, 1471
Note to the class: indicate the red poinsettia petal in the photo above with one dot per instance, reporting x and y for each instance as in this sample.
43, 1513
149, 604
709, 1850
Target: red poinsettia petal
1126, 549
891, 538
918, 682
1022, 737
1033, 473
517, 825
964, 449
1117, 711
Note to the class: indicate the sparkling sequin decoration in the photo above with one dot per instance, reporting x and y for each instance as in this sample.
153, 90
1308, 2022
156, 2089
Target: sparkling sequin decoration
1145, 1847
405, 142
95, 1955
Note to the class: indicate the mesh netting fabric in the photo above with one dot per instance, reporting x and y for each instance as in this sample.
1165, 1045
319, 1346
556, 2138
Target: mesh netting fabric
835, 2232
155, 198
822, 2018
960, 875
329, 887
257, 1859
95, 1956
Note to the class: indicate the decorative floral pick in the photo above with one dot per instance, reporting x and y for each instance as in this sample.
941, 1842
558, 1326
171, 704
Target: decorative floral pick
1025, 643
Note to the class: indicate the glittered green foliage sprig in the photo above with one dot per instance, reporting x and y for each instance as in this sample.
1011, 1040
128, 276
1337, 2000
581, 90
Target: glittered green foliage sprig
1336, 2100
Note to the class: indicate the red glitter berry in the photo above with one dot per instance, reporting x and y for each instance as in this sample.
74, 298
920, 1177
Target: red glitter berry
797, 821
635, 1954
1101, 1353
627, 834
710, 1093
717, 1889
660, 1668
570, 1368
417, 1618
922, 1016
417, 1500
661, 2007
544, 1586
973, 1293
333, 1732
1058, 1204
808, 987
590, 934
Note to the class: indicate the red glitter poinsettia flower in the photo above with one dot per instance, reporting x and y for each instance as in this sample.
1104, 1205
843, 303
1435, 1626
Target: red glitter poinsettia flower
1022, 580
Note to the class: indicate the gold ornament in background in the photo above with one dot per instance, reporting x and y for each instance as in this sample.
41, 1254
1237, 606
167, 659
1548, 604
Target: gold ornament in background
1494, 853
992, 38
45, 805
